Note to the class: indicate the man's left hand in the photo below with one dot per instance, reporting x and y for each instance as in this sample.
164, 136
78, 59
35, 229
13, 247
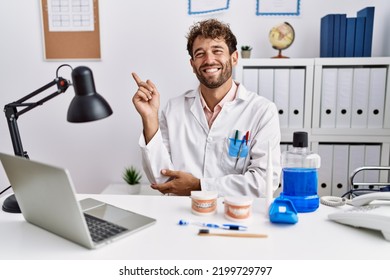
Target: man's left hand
180, 183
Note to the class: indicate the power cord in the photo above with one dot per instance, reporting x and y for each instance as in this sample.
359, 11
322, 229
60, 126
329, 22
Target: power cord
334, 201
3, 191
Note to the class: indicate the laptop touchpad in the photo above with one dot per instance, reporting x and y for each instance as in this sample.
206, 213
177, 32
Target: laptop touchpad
89, 203
119, 216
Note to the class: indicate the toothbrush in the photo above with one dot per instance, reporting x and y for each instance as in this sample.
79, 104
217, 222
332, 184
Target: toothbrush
209, 225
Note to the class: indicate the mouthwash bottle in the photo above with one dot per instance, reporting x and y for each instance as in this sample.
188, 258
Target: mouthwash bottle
299, 174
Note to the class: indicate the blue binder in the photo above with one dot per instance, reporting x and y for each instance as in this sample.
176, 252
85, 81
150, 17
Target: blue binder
359, 36
326, 36
350, 37
336, 35
343, 34
368, 14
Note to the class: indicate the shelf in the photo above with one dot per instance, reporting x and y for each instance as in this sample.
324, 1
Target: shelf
365, 140
352, 61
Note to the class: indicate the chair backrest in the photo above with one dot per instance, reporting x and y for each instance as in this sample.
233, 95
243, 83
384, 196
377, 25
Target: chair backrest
354, 185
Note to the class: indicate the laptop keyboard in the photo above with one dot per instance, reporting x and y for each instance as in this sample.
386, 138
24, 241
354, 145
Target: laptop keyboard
100, 229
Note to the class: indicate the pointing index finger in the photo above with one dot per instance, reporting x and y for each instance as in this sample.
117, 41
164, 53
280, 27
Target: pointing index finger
136, 78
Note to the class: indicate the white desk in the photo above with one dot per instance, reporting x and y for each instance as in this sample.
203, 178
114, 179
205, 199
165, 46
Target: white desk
313, 237
121, 188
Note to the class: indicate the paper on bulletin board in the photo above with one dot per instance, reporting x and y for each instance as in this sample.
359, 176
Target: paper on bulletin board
75, 15
278, 7
207, 6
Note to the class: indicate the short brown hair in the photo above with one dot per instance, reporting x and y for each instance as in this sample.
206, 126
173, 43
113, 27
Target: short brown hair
213, 29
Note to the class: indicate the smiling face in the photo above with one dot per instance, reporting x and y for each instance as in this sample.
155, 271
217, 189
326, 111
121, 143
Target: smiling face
211, 62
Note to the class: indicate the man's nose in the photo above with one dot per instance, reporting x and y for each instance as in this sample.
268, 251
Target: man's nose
209, 56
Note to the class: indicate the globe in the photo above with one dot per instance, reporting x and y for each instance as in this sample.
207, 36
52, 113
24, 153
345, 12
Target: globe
281, 36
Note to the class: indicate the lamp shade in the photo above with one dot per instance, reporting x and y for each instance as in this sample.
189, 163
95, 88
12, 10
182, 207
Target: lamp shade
87, 105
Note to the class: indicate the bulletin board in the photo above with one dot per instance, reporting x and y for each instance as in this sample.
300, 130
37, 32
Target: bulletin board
71, 44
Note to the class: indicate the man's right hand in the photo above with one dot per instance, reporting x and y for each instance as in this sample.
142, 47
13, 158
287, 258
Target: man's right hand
147, 103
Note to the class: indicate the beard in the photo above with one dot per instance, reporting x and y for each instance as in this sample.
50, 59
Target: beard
215, 82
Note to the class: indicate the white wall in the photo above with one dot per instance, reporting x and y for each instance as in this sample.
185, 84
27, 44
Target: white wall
146, 36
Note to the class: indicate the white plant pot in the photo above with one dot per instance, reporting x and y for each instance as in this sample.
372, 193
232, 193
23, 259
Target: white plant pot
134, 189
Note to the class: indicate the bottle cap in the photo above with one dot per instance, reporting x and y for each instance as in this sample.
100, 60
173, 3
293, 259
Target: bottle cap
300, 139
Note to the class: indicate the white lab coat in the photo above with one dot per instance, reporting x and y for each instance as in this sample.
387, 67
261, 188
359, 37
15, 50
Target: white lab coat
184, 142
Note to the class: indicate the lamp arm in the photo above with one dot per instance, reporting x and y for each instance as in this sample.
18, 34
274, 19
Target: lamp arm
62, 86
14, 131
12, 114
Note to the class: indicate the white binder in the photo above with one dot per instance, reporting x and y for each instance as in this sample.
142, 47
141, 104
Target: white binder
344, 97
356, 159
297, 95
376, 99
372, 158
266, 83
325, 171
281, 94
340, 174
361, 86
249, 79
328, 98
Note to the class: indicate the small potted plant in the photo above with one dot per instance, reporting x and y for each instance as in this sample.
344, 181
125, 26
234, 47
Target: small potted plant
246, 51
132, 177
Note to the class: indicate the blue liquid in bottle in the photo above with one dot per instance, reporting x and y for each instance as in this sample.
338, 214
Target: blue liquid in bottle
300, 177
300, 186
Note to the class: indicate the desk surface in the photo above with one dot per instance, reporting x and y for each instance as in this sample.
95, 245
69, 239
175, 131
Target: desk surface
313, 237
120, 188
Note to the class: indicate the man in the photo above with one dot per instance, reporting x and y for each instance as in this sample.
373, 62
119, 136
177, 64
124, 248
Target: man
214, 137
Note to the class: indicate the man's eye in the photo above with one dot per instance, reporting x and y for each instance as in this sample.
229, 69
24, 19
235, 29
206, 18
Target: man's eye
199, 54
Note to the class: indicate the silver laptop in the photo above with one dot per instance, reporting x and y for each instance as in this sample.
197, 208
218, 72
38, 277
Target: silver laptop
46, 197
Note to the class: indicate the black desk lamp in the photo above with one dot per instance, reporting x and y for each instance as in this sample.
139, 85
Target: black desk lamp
86, 106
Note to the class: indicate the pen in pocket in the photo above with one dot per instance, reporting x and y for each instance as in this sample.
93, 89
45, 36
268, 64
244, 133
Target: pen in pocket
247, 137
236, 137
240, 149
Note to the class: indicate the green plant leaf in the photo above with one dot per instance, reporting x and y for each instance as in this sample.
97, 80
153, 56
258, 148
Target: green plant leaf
131, 175
246, 48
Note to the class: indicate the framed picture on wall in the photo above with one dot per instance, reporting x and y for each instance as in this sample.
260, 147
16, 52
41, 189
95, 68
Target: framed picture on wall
278, 7
197, 7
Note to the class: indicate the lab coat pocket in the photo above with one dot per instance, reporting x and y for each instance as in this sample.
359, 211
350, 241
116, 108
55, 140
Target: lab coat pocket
233, 156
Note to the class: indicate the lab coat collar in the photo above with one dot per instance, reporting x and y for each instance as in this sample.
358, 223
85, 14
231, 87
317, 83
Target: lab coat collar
191, 93
196, 104
196, 109
242, 92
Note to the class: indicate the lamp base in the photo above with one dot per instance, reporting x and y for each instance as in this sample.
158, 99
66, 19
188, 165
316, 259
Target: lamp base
10, 205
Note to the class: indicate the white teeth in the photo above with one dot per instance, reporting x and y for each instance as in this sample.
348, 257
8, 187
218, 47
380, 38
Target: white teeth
211, 70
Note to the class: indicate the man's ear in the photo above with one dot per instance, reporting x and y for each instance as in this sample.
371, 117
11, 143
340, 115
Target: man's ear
234, 57
192, 65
